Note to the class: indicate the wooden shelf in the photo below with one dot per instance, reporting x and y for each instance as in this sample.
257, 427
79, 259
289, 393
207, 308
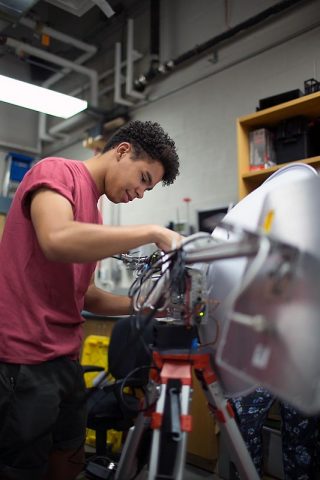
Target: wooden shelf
307, 106
314, 161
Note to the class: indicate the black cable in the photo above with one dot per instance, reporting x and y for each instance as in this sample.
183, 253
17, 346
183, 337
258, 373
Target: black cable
175, 264
158, 265
127, 380
175, 258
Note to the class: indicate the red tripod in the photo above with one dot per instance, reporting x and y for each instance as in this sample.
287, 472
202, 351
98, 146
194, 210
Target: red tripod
169, 417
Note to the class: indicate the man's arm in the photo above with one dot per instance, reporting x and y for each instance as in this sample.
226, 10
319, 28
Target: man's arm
104, 303
63, 239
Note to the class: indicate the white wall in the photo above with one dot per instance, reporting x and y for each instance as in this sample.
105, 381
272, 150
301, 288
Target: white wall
201, 117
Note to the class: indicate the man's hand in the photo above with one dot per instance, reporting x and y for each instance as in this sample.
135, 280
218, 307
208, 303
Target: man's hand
166, 239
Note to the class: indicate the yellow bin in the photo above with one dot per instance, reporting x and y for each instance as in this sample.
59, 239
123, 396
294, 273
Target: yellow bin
95, 352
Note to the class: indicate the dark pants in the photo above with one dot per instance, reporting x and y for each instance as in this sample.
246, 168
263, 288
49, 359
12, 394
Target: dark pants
42, 409
299, 434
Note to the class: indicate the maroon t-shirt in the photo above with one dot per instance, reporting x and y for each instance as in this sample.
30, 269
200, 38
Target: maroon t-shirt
41, 300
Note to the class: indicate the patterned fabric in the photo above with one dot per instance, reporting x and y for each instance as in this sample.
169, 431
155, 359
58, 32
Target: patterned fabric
299, 434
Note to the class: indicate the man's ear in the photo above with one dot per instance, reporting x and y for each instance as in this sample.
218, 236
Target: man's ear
122, 149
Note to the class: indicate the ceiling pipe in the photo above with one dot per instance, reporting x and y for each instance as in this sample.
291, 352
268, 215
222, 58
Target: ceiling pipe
38, 27
64, 124
69, 122
106, 74
59, 75
90, 51
51, 81
202, 49
154, 37
129, 76
105, 7
129, 71
42, 129
155, 29
118, 79
92, 74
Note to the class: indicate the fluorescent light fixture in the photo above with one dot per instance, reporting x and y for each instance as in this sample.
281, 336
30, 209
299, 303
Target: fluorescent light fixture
40, 99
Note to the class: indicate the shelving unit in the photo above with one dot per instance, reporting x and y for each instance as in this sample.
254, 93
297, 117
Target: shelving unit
308, 106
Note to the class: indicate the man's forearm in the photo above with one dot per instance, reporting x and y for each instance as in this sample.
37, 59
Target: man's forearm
84, 242
105, 303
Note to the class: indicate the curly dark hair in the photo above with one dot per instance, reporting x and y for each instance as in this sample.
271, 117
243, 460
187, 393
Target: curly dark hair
149, 139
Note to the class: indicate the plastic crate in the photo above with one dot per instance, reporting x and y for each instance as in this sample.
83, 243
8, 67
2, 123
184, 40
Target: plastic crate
95, 352
19, 165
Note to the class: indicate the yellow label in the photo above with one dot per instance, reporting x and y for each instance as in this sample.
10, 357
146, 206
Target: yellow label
268, 220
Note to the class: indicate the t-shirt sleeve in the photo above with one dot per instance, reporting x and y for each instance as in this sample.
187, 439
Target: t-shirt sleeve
51, 173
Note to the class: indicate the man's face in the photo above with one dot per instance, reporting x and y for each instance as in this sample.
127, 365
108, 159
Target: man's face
130, 178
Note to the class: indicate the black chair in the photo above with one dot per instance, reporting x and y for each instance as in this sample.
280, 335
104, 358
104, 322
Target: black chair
112, 406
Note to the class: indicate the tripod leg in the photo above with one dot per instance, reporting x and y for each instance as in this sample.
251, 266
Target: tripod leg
222, 409
155, 446
171, 424
128, 459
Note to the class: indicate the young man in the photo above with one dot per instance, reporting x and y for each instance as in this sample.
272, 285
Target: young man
51, 242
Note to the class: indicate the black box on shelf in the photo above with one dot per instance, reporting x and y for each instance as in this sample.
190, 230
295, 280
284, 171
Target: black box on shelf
314, 137
292, 140
311, 86
279, 98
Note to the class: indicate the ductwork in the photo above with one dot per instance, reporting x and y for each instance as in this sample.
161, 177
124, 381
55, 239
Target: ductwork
199, 50
118, 99
130, 91
80, 118
28, 22
89, 52
129, 77
92, 74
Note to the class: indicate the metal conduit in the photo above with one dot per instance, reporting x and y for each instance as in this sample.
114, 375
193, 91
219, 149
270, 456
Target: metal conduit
28, 22
199, 50
89, 52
